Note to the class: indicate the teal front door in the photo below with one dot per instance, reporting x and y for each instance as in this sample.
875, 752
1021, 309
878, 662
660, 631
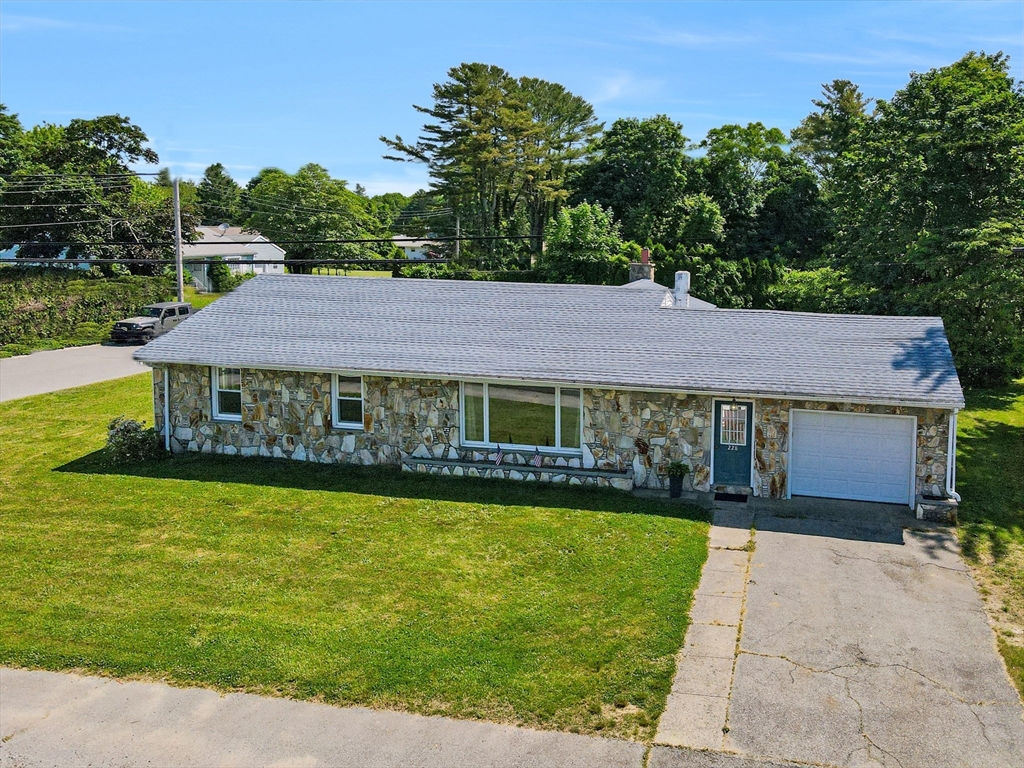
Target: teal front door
732, 443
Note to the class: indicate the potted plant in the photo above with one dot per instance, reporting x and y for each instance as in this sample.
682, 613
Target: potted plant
676, 471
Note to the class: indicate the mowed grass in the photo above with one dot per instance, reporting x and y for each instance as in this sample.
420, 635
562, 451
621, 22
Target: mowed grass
555, 607
198, 299
343, 272
990, 479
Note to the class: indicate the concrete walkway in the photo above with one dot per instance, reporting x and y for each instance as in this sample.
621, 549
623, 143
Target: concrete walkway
50, 719
56, 369
696, 710
862, 641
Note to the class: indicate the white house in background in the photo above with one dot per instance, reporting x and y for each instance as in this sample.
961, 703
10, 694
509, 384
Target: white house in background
242, 250
415, 249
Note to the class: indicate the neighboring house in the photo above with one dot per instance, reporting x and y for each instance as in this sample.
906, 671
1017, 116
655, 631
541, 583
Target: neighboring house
242, 250
582, 384
415, 249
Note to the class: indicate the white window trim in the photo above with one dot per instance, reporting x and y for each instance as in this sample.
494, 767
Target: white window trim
746, 425
215, 390
487, 443
336, 423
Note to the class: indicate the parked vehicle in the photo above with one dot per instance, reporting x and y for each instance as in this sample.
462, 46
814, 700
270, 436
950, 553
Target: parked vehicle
155, 320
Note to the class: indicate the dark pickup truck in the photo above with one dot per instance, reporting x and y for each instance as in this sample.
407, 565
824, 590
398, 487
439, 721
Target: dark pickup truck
156, 319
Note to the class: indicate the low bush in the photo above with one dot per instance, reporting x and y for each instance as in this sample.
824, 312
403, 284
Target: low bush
10, 350
130, 441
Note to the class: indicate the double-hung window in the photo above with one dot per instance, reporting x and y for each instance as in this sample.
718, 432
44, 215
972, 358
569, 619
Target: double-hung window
347, 410
227, 394
521, 415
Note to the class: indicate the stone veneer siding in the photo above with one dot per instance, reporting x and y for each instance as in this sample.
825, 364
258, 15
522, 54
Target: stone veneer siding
629, 437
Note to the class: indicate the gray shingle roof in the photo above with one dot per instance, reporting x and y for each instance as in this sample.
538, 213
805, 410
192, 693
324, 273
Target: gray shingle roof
593, 335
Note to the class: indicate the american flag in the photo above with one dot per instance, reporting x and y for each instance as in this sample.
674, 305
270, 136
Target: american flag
501, 455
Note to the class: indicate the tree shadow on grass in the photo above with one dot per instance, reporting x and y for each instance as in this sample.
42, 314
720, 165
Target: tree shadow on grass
1001, 399
383, 481
990, 480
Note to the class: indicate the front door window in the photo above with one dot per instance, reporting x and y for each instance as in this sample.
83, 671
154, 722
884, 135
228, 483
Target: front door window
733, 425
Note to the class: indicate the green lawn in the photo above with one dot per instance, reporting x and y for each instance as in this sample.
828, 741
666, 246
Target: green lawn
554, 607
199, 300
990, 479
341, 271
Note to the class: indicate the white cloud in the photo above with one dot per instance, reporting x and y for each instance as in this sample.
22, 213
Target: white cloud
690, 38
616, 86
16, 23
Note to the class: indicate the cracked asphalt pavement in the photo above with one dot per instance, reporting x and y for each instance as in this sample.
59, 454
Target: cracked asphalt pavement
864, 644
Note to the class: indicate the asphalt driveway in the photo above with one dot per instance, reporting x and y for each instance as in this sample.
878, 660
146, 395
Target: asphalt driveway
864, 642
57, 369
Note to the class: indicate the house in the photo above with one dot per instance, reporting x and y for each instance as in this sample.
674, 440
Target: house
244, 251
415, 249
597, 385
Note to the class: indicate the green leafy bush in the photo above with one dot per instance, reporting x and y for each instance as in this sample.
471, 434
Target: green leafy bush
10, 350
47, 303
222, 279
129, 441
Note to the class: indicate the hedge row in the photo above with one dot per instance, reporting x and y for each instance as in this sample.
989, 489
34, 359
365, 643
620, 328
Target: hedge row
49, 303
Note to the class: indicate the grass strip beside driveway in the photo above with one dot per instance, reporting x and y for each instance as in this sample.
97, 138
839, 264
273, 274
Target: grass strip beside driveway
990, 479
554, 607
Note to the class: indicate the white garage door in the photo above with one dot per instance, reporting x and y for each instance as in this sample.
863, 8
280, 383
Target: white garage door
851, 456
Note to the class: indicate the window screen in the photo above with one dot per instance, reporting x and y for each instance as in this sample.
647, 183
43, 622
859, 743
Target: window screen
733, 428
348, 395
229, 392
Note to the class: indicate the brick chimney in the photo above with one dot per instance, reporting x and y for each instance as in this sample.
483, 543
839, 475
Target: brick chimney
643, 270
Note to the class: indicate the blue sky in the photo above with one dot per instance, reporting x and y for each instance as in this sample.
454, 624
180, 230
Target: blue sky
282, 84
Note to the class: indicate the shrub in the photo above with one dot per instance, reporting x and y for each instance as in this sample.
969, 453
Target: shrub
90, 331
48, 303
129, 441
222, 279
10, 350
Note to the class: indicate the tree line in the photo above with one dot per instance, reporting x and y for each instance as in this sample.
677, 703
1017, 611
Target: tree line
912, 205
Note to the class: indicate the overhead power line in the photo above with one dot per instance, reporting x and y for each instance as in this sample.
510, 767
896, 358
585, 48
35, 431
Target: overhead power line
44, 190
337, 241
50, 205
76, 175
306, 262
60, 224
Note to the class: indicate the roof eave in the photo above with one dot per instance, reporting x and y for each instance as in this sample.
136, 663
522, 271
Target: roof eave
592, 384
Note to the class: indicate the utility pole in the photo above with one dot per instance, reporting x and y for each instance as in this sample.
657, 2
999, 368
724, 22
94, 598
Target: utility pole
177, 242
456, 238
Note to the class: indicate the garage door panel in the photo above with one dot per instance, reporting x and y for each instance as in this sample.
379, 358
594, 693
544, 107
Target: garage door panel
851, 456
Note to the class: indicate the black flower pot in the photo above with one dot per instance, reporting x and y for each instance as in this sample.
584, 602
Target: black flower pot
675, 487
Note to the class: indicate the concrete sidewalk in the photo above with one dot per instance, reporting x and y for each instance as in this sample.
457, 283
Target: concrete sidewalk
49, 719
57, 369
